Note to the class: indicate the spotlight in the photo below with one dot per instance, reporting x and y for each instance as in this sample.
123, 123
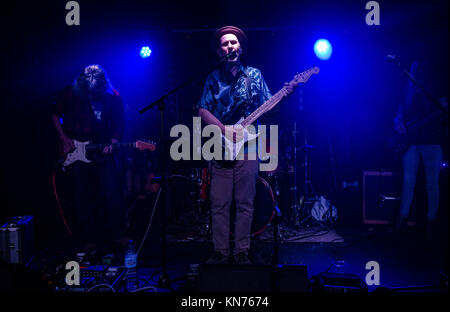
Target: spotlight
323, 49
145, 52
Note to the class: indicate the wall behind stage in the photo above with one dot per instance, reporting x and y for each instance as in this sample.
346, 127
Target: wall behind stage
347, 109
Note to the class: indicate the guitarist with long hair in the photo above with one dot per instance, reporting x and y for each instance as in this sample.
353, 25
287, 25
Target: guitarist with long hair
91, 110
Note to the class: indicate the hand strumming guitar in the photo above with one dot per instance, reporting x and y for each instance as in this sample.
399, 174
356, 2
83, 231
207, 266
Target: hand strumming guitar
66, 145
234, 133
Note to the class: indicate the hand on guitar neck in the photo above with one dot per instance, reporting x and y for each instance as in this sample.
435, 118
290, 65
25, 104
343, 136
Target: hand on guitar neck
400, 127
289, 88
108, 149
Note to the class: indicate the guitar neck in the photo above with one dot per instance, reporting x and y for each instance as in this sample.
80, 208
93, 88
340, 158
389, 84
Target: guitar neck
93, 147
268, 105
274, 100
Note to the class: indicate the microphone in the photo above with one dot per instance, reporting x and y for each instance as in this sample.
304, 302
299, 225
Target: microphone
231, 55
390, 58
228, 56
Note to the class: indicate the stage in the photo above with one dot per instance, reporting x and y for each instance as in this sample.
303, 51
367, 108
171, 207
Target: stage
406, 264
117, 118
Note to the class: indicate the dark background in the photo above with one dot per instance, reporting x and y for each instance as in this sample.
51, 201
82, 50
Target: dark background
347, 109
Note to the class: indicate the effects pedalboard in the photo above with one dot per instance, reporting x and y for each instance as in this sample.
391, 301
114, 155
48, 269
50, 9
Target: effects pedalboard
92, 275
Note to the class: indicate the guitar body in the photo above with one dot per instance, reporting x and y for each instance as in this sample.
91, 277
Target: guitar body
232, 149
79, 154
400, 143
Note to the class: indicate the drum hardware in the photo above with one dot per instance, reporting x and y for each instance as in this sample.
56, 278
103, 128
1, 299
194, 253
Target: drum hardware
299, 208
265, 207
277, 237
295, 208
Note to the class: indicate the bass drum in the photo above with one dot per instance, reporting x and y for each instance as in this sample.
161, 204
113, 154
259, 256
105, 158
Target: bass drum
264, 207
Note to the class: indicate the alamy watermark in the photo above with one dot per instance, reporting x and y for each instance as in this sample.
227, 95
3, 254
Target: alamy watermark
373, 17
373, 276
221, 147
73, 16
73, 276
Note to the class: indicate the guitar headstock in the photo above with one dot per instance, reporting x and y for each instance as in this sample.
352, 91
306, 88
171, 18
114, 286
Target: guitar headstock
304, 76
145, 145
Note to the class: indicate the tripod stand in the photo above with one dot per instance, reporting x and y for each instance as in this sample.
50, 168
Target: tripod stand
299, 208
309, 195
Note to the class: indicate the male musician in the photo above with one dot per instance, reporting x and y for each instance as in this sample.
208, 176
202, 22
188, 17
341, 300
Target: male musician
230, 92
91, 110
425, 142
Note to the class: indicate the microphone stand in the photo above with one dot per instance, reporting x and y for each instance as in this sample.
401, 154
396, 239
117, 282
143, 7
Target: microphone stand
164, 279
418, 85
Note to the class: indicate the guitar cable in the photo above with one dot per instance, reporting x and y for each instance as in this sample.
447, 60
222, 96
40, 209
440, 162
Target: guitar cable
58, 201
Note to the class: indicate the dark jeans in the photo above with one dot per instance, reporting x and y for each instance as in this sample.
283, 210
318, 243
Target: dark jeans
432, 157
94, 201
238, 179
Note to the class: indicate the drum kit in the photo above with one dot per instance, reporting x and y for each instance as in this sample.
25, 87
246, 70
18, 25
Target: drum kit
277, 192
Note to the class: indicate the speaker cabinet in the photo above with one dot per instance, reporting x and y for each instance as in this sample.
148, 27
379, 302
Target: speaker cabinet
382, 197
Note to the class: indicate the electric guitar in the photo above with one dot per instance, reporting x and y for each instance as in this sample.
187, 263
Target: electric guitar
82, 148
232, 149
400, 143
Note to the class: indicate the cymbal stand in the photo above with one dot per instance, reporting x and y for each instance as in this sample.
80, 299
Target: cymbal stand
295, 207
309, 194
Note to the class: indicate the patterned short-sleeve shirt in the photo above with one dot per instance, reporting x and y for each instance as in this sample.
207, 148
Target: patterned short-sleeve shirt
227, 97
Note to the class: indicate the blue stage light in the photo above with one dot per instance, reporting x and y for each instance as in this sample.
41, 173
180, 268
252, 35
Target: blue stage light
323, 49
145, 52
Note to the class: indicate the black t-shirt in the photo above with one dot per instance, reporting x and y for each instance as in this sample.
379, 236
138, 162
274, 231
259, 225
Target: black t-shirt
424, 121
90, 119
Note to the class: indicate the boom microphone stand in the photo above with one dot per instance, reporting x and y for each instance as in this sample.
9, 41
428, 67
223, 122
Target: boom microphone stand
436, 103
164, 280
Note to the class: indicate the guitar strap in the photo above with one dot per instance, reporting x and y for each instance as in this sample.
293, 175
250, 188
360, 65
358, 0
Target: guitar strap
248, 85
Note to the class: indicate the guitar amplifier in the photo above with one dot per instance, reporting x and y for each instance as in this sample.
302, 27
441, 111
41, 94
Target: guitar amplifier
381, 197
17, 239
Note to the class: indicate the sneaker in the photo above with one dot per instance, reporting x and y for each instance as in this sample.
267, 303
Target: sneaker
217, 258
241, 258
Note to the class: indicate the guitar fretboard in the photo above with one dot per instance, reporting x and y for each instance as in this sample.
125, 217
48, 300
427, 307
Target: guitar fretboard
277, 97
93, 147
268, 105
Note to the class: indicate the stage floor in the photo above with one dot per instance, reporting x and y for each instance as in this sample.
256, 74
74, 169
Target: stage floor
403, 262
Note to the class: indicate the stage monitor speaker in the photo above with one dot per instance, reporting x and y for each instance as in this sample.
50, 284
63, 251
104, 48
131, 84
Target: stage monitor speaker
338, 282
252, 278
381, 197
